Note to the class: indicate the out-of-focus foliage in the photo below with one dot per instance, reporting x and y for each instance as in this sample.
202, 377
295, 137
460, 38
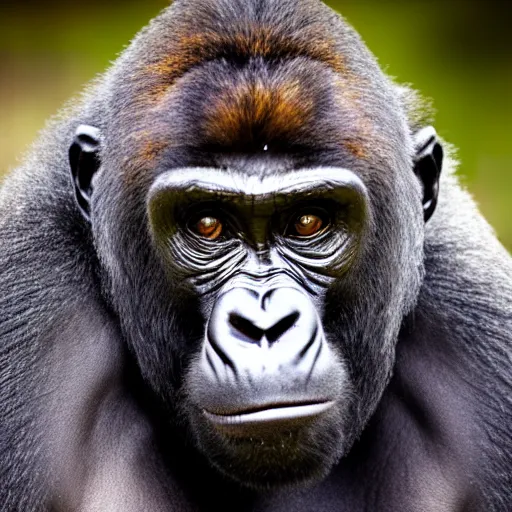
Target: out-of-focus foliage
459, 53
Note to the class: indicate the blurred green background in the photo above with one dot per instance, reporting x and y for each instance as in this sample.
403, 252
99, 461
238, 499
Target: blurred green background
459, 53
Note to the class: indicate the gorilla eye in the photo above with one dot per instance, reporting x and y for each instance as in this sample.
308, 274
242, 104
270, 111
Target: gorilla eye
209, 227
307, 225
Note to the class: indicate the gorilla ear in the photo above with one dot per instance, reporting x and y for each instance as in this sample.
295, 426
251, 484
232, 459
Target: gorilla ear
428, 162
84, 161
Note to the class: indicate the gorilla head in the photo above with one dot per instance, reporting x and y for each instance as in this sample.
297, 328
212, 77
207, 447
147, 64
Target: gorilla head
257, 200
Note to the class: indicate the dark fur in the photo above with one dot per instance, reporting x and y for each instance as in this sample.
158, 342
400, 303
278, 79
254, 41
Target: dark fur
88, 379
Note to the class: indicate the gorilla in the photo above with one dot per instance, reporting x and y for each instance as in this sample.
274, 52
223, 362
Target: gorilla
234, 279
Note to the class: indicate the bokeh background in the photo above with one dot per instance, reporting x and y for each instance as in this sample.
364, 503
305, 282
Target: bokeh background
457, 52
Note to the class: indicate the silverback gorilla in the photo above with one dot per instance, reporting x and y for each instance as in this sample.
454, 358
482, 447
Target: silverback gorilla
233, 278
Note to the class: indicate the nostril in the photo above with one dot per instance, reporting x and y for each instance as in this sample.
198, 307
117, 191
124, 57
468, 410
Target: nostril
277, 330
246, 327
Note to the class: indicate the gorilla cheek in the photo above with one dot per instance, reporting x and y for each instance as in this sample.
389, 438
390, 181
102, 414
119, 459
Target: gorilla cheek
267, 398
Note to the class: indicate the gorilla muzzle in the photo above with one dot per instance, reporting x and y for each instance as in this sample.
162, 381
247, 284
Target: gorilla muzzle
266, 360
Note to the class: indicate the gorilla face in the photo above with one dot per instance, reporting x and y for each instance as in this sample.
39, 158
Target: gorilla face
267, 394
261, 242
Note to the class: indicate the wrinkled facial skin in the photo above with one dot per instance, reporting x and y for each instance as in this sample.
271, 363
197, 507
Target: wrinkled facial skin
267, 395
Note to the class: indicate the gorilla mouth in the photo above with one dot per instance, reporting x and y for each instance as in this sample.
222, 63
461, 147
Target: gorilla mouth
271, 415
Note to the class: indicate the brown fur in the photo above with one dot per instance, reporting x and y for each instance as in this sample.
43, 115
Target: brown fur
242, 43
256, 110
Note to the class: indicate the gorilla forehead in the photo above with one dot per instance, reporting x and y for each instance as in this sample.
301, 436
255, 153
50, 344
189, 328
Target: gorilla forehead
296, 104
267, 79
227, 115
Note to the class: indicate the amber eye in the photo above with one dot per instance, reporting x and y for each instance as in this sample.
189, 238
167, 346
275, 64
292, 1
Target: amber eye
209, 227
308, 225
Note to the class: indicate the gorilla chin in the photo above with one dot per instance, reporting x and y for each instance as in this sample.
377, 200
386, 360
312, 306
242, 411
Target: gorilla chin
273, 448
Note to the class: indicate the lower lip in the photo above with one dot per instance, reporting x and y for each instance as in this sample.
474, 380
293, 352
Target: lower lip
270, 415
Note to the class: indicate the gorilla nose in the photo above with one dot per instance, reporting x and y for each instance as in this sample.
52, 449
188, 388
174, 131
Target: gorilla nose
252, 331
264, 319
